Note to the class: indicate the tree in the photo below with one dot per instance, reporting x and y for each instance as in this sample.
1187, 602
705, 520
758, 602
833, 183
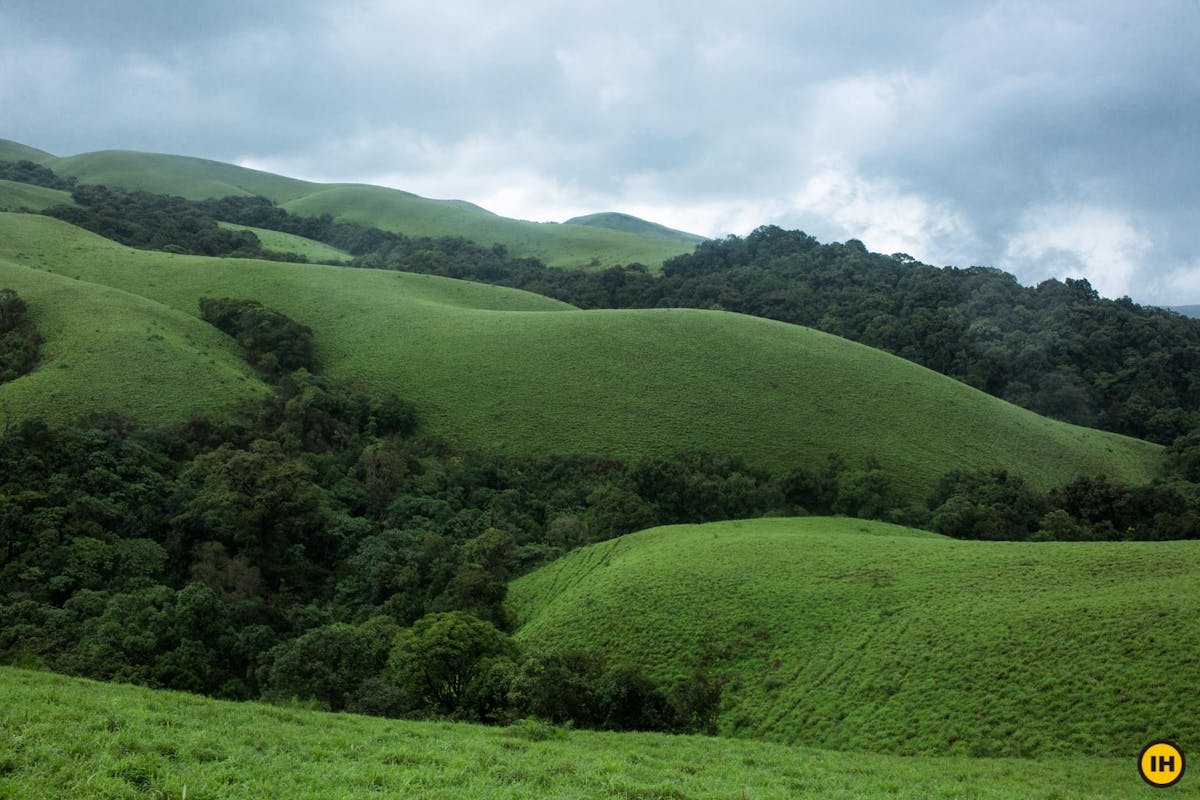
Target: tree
328, 664
436, 659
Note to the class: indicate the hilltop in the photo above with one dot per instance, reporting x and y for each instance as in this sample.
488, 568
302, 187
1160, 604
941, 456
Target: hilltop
616, 221
513, 372
857, 635
565, 245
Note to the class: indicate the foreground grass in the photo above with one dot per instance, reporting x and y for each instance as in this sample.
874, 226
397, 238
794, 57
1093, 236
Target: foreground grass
64, 737
857, 635
513, 372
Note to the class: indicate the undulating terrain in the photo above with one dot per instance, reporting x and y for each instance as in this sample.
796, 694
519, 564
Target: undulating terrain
854, 658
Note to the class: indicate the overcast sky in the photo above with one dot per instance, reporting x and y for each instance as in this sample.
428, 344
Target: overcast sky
1046, 138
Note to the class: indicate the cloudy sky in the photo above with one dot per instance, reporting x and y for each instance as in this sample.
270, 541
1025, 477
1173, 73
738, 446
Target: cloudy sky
1048, 138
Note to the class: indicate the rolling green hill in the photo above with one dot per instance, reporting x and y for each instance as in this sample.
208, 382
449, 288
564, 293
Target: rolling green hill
492, 367
66, 737
15, 151
556, 244
316, 252
24, 196
856, 635
616, 221
106, 349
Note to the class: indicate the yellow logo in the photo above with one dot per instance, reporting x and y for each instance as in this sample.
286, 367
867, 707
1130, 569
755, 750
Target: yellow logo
1161, 764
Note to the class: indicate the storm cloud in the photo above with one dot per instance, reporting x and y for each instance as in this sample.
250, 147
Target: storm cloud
1046, 138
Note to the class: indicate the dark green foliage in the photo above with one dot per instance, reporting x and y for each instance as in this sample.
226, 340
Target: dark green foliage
329, 664
440, 656
36, 174
992, 505
274, 343
153, 222
19, 340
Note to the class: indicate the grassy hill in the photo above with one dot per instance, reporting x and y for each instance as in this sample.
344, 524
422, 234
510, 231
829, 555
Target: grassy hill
556, 244
23, 196
316, 252
73, 738
514, 372
855, 635
106, 349
616, 221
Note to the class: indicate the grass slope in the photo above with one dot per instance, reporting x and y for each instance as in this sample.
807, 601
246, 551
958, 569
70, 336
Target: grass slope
27, 197
558, 245
316, 252
72, 738
847, 634
106, 349
617, 221
15, 151
492, 367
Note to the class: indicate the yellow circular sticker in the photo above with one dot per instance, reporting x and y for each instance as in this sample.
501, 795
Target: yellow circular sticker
1161, 764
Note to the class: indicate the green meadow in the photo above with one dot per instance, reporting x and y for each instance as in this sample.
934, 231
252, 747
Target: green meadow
316, 252
566, 245
24, 196
66, 737
106, 349
853, 635
513, 372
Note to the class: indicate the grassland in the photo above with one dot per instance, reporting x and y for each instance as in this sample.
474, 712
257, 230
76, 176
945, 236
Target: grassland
513, 372
852, 635
23, 196
106, 349
583, 246
316, 252
65, 737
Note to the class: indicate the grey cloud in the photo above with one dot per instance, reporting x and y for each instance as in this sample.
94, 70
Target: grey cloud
941, 125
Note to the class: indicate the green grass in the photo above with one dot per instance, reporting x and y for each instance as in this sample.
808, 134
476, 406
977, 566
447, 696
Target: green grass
65, 737
24, 196
556, 244
514, 372
316, 252
15, 151
578, 246
106, 349
856, 635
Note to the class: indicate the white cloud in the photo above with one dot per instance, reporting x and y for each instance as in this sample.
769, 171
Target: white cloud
1104, 245
885, 217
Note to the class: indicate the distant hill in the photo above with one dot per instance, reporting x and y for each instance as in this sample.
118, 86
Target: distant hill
616, 221
566, 245
858, 635
1187, 311
514, 372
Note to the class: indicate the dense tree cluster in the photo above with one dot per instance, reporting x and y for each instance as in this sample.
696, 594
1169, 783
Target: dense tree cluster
20, 341
36, 174
273, 343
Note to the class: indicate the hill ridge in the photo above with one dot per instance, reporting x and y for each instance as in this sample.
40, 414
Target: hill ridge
396, 210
